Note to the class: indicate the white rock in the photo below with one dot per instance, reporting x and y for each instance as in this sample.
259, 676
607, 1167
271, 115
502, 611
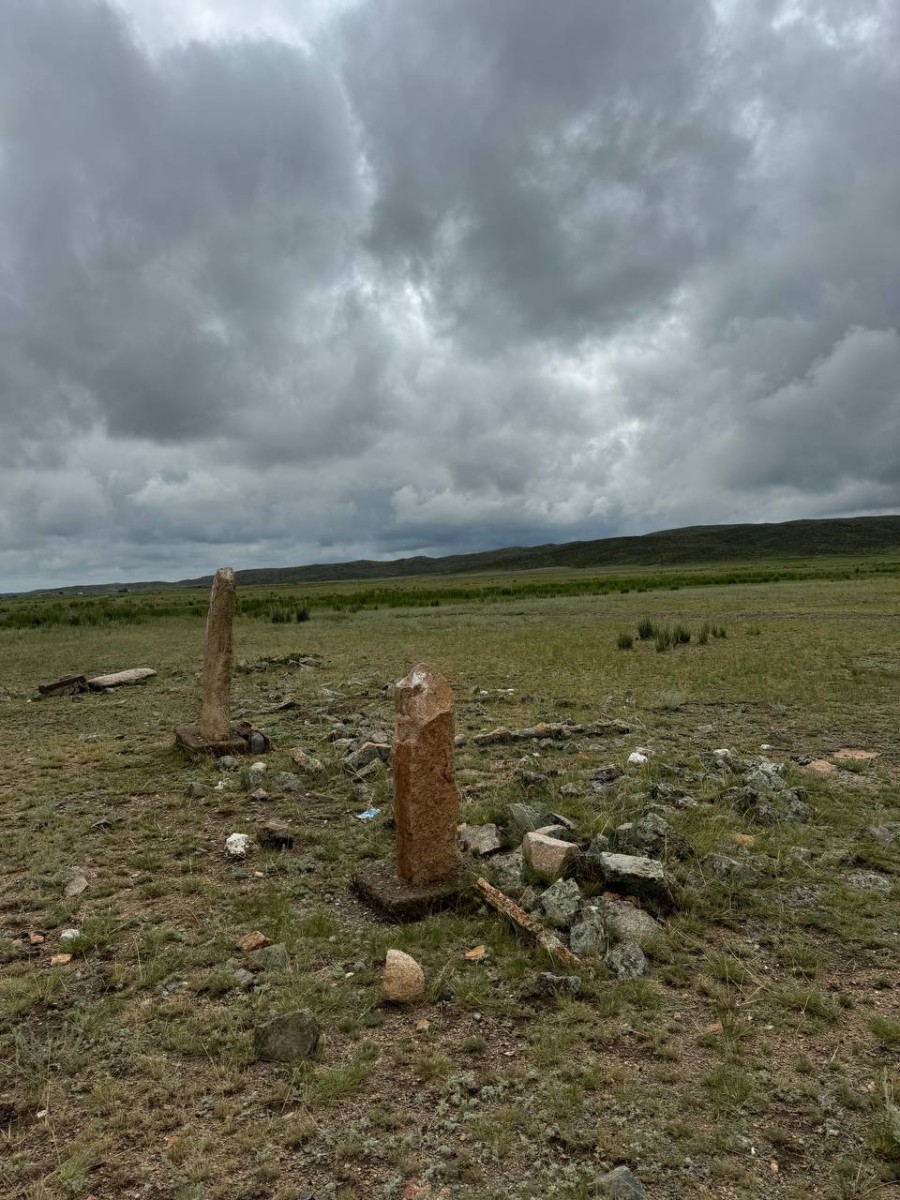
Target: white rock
403, 980
723, 753
237, 845
69, 935
637, 759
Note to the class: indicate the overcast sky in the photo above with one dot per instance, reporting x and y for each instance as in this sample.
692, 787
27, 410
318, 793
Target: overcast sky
285, 281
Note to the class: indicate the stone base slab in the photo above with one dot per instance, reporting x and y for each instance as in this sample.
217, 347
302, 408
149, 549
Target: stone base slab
195, 745
382, 889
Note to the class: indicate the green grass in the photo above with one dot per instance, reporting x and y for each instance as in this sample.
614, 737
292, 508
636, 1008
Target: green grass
141, 1049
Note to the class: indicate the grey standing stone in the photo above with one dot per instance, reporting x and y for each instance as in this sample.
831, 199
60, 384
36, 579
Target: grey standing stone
628, 962
288, 1038
620, 1184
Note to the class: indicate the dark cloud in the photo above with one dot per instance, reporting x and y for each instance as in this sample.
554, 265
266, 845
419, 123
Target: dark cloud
389, 277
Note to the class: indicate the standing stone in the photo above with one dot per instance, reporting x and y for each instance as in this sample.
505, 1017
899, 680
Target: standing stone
218, 658
426, 805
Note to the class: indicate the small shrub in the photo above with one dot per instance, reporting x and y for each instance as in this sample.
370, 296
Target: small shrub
680, 635
703, 635
302, 615
719, 631
663, 639
625, 641
646, 629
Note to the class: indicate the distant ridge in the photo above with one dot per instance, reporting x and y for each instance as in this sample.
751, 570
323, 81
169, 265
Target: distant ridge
695, 544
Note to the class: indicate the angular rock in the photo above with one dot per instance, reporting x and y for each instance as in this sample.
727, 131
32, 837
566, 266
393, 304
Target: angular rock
548, 985
636, 876
426, 804
507, 872
729, 870
243, 979
218, 658
480, 839
588, 935
628, 961
271, 958
403, 980
76, 885
254, 940
559, 903
237, 845
620, 1184
651, 836
305, 762
548, 856
626, 923
368, 752
275, 835
868, 881
291, 1037
520, 819
885, 835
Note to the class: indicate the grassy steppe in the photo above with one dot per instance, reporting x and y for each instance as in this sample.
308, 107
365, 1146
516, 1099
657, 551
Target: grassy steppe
760, 1058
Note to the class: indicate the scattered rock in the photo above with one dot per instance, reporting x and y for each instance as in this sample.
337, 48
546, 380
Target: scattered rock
620, 1184
628, 961
548, 985
257, 742
729, 870
532, 778
885, 835
289, 1038
403, 980
227, 762
369, 752
271, 958
588, 935
69, 935
259, 795
76, 885
305, 762
237, 845
636, 876
802, 896
252, 941
102, 683
627, 923
507, 872
848, 754
559, 903
821, 766
60, 960
275, 835
868, 881
571, 789
637, 759
480, 839
520, 819
243, 979
196, 791
548, 856
603, 776
651, 836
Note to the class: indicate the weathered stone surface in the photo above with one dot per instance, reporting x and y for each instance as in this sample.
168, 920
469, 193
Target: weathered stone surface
559, 903
628, 961
403, 980
653, 836
288, 1038
729, 870
548, 856
426, 804
520, 819
868, 881
885, 835
121, 678
506, 870
480, 839
620, 1184
70, 686
237, 845
636, 876
548, 985
271, 958
380, 887
368, 752
626, 923
275, 835
588, 935
305, 762
218, 658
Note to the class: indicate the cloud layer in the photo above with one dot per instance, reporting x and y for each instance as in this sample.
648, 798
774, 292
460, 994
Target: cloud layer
396, 277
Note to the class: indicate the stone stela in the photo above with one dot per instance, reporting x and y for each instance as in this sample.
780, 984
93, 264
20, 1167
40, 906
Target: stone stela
214, 734
426, 804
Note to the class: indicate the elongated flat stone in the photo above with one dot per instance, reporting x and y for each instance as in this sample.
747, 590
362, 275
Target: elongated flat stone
120, 678
218, 658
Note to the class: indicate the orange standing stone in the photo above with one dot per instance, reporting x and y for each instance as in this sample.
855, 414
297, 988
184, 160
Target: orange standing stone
426, 804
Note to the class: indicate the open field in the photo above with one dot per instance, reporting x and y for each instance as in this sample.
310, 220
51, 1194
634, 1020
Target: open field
761, 1057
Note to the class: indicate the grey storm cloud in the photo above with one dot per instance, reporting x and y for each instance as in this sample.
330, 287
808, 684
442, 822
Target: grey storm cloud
392, 277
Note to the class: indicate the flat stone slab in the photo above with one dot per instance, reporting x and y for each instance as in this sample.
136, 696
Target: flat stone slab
195, 745
70, 686
381, 888
120, 678
636, 876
